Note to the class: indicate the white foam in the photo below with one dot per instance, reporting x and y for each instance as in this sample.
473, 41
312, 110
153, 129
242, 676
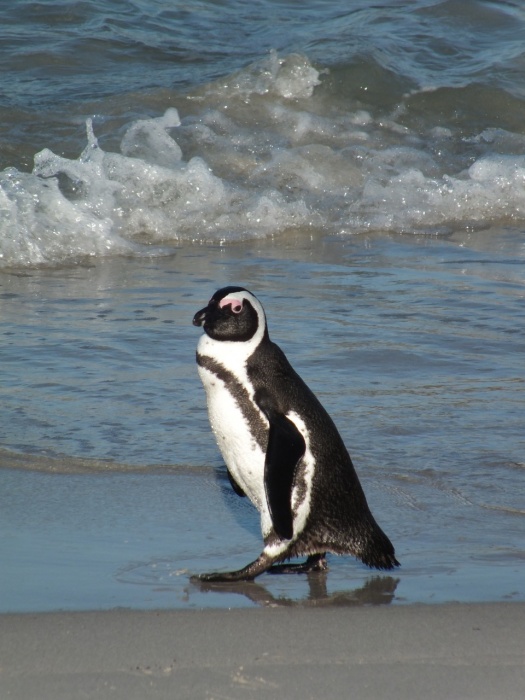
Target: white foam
491, 190
149, 140
40, 225
292, 77
262, 152
102, 202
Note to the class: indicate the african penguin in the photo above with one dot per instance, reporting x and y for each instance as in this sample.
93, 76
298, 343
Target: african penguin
281, 448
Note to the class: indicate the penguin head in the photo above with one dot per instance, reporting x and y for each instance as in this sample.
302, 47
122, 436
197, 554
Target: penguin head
234, 314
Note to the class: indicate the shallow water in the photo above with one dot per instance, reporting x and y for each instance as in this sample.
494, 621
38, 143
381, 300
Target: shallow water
360, 168
415, 347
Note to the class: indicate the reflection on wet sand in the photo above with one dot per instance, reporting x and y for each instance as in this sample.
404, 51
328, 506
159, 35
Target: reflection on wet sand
378, 590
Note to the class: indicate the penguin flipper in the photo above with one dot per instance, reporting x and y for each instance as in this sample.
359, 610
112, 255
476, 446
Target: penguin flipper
286, 447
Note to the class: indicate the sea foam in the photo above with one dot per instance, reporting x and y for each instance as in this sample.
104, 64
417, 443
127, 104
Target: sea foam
268, 149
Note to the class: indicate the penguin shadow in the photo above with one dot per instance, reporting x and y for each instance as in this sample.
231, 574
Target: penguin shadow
243, 512
377, 590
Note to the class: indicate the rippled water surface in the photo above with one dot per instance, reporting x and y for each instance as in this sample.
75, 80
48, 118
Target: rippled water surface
361, 170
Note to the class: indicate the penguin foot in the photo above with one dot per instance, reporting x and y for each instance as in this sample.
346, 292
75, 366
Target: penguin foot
248, 573
315, 562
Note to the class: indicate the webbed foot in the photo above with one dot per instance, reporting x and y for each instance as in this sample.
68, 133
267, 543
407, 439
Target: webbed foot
315, 562
248, 573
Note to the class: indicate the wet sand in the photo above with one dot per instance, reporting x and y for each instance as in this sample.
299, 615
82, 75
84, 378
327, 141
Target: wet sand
444, 651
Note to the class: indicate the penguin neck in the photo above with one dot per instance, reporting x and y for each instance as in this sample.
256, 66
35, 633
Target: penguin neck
230, 353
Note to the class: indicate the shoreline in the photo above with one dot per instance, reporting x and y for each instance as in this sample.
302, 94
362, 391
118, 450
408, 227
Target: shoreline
454, 650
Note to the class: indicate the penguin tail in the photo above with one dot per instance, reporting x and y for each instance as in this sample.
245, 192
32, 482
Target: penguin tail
378, 552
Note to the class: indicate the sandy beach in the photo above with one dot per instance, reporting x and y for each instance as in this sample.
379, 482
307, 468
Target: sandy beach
443, 651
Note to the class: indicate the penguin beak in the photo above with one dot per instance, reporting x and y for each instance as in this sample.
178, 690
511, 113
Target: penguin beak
200, 316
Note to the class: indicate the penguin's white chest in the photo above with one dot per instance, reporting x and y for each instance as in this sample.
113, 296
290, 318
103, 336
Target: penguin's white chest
240, 449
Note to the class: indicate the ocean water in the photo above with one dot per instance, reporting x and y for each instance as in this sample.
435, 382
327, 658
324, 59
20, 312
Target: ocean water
362, 170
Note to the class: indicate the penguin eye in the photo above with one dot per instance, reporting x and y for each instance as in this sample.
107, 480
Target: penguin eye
236, 304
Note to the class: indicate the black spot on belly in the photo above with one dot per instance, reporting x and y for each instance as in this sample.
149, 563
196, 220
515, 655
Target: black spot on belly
258, 425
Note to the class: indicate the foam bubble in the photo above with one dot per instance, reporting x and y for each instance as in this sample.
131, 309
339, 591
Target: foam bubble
291, 77
148, 140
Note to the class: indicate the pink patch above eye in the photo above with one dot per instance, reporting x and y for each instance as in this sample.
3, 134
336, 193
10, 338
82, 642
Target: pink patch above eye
236, 304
